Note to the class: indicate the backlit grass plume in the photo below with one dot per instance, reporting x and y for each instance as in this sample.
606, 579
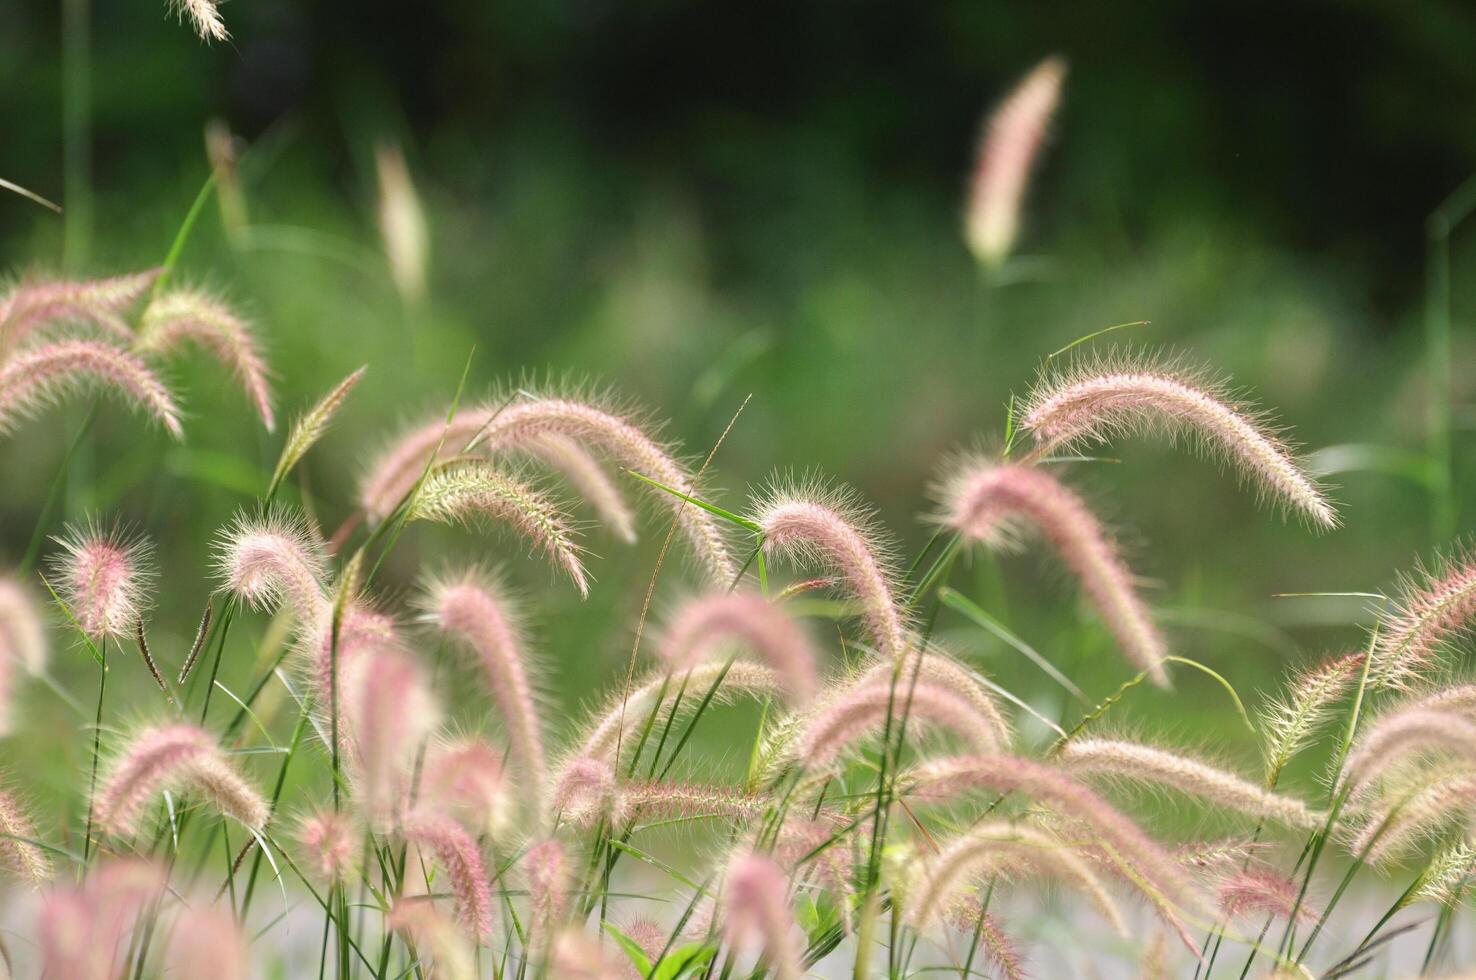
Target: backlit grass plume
757, 913
468, 492
18, 855
706, 626
37, 304
310, 426
1433, 607
464, 777
332, 842
178, 757
104, 577
1291, 721
1403, 734
181, 316
39, 377
831, 530
1008, 147
988, 502
461, 861
587, 478
1134, 762
276, 560
473, 610
864, 709
1096, 401
204, 17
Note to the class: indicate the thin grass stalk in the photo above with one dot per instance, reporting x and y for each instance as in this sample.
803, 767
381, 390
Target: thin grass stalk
297, 731
102, 686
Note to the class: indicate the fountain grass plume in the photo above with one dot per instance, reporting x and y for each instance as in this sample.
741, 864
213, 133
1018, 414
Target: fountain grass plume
1008, 147
1000, 948
464, 777
1400, 735
178, 757
276, 559
1261, 891
18, 855
1447, 876
1410, 811
434, 937
863, 709
665, 799
81, 928
389, 713
39, 377
467, 491
585, 792
1134, 762
650, 938
831, 529
473, 609
37, 303
996, 846
587, 478
1144, 861
547, 871
185, 315
1290, 722
706, 626
1124, 393
989, 502
204, 17
207, 942
460, 858
524, 425
332, 841
104, 575
309, 427
402, 223
756, 911
1434, 605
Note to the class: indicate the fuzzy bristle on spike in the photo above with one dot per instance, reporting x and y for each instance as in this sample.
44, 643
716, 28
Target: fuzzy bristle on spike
17, 854
704, 626
311, 425
33, 305
473, 609
1293, 720
182, 316
436, 937
865, 708
40, 376
461, 859
1007, 151
1099, 400
829, 530
180, 756
104, 577
1433, 607
1139, 763
587, 478
332, 843
756, 910
276, 560
984, 502
466, 492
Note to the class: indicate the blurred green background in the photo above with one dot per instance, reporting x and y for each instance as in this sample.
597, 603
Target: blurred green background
693, 203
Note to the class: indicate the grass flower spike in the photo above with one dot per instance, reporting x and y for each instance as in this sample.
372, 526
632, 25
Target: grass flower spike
181, 316
41, 376
985, 502
101, 303
1097, 401
704, 627
756, 911
17, 855
865, 708
174, 756
1007, 151
332, 843
1433, 608
204, 16
459, 857
276, 560
104, 578
309, 428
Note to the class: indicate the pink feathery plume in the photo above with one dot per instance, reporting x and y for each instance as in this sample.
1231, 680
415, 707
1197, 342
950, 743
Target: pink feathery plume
520, 425
809, 847
474, 491
332, 841
457, 854
756, 911
99, 302
664, 799
1403, 733
706, 625
208, 942
104, 578
1000, 949
834, 534
18, 855
864, 709
1152, 868
942, 670
1007, 151
435, 937
464, 777
38, 377
588, 479
1262, 892
188, 315
22, 644
471, 608
390, 713
984, 502
650, 938
548, 883
1411, 814
81, 928
361, 630
585, 792
1433, 607
174, 756
1097, 401
276, 560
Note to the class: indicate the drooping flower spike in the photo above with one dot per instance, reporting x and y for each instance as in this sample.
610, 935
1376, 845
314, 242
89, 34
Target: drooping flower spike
987, 502
706, 626
332, 842
310, 426
1008, 147
386, 713
81, 929
37, 378
18, 855
1292, 721
275, 560
828, 529
464, 777
181, 316
457, 854
204, 16
436, 937
33, 305
757, 911
181, 757
1433, 607
863, 710
104, 577
1099, 400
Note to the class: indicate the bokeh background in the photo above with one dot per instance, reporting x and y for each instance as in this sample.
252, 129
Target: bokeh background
693, 203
